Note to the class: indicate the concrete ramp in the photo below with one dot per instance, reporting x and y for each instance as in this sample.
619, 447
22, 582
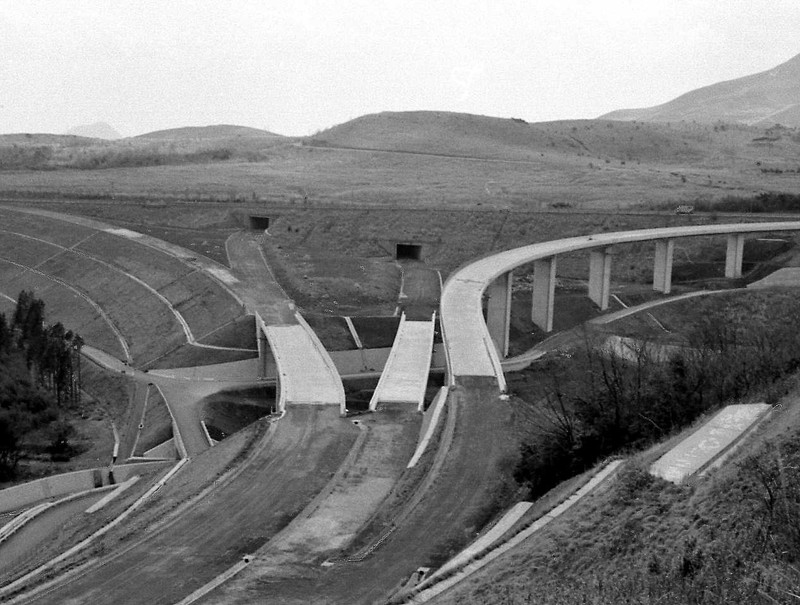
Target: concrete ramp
405, 375
707, 446
306, 374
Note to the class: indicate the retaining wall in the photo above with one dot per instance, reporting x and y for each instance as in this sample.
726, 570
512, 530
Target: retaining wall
26, 494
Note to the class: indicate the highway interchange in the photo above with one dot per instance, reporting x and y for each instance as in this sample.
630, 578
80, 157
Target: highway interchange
298, 457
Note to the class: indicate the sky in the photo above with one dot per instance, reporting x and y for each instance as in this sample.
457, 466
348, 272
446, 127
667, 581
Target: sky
298, 66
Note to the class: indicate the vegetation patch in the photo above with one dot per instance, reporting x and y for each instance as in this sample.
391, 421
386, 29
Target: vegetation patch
40, 381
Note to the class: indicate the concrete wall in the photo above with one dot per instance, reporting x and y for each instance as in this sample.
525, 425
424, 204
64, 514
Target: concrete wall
21, 496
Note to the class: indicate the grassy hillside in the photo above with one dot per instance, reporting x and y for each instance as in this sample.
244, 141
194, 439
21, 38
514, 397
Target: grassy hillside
420, 159
730, 538
217, 131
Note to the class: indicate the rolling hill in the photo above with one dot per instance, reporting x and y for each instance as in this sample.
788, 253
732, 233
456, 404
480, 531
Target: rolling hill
763, 99
97, 130
217, 131
474, 136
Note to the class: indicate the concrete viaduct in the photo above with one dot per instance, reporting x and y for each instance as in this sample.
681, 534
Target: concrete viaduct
475, 347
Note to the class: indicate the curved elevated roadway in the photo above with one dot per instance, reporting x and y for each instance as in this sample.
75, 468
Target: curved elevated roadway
471, 349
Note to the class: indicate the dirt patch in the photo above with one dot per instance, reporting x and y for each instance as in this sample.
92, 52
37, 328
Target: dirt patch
358, 393
421, 290
157, 424
104, 399
227, 412
332, 331
339, 284
376, 332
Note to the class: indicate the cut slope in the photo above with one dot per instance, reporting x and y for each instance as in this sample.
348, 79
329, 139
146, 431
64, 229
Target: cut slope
769, 97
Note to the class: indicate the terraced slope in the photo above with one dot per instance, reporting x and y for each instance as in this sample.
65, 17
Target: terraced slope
153, 301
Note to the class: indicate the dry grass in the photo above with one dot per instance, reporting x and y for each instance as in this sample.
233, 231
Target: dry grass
157, 423
643, 540
590, 163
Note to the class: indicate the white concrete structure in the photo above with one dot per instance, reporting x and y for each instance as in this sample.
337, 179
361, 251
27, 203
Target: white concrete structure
662, 271
544, 289
734, 254
305, 374
470, 346
600, 277
712, 440
405, 376
498, 311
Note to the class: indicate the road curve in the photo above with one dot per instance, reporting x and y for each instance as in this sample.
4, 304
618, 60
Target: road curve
302, 451
470, 348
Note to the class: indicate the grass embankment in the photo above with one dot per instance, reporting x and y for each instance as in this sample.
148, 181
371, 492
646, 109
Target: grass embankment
724, 541
733, 537
227, 412
157, 423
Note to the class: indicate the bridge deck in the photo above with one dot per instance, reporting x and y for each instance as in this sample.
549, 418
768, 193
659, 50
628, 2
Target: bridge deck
305, 377
405, 377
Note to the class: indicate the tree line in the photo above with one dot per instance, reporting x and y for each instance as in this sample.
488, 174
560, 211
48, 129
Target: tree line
40, 375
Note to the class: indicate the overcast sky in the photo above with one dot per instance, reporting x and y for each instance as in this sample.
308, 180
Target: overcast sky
295, 66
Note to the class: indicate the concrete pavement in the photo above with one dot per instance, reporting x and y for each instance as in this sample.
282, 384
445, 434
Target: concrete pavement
707, 443
471, 352
405, 376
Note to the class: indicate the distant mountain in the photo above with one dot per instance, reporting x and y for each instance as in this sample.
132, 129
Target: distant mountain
217, 131
98, 130
763, 99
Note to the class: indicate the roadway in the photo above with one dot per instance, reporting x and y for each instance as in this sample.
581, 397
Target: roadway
443, 514
471, 351
299, 455
296, 349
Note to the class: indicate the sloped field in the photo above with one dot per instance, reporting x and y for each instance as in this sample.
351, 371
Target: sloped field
63, 305
146, 322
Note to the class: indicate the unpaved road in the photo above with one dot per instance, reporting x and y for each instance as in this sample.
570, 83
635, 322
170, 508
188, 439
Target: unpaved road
446, 515
258, 287
304, 450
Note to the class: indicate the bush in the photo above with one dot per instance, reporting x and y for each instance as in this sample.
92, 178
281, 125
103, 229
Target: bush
613, 404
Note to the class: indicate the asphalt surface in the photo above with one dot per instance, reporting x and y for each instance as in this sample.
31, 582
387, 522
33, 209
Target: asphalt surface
302, 452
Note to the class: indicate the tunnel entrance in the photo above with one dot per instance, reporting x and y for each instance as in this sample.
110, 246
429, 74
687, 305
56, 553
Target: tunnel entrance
260, 223
409, 252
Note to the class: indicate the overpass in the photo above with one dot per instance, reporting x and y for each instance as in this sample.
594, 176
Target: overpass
475, 347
